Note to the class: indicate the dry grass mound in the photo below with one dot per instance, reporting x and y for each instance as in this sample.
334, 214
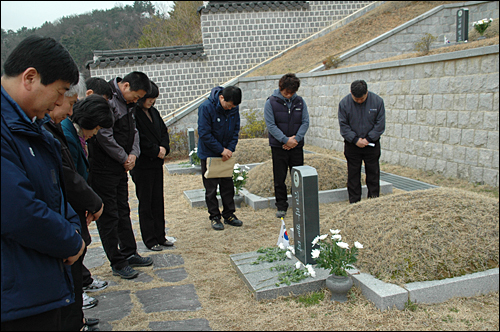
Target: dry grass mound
332, 174
252, 150
423, 235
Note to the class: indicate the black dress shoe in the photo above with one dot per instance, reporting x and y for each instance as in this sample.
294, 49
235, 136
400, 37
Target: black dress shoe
167, 244
156, 247
91, 321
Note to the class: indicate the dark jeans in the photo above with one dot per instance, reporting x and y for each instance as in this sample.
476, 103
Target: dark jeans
46, 321
283, 161
72, 315
355, 157
226, 187
149, 190
114, 225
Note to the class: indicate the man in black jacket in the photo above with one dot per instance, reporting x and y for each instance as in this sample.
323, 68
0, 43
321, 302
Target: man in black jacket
362, 122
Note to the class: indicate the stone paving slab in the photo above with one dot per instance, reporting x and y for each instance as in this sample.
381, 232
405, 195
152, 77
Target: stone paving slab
198, 324
171, 298
112, 306
172, 275
166, 260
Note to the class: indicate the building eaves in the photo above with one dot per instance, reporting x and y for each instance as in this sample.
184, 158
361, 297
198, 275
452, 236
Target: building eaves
214, 7
112, 58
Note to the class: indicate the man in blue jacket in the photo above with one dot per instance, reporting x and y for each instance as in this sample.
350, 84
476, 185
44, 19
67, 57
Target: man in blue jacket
362, 122
40, 230
218, 130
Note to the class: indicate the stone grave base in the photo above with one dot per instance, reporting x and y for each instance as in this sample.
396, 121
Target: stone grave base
183, 169
196, 197
261, 282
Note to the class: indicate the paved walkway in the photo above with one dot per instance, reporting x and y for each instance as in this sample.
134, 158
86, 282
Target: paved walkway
116, 305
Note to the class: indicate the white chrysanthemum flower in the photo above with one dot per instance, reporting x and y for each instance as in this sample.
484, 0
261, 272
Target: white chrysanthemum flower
334, 231
281, 246
291, 249
311, 271
240, 178
358, 245
315, 253
236, 166
322, 237
337, 237
298, 265
316, 239
236, 171
288, 255
343, 245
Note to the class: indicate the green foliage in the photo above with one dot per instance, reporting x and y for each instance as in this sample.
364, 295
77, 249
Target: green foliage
310, 299
255, 127
271, 254
290, 274
333, 61
195, 160
424, 44
181, 26
409, 305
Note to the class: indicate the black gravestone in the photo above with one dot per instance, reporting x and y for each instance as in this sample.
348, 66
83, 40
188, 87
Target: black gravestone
191, 143
462, 24
305, 205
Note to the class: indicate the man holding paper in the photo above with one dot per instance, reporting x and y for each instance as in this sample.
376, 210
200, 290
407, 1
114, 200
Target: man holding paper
218, 130
362, 121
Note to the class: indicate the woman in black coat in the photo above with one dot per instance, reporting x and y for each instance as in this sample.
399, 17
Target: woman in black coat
148, 171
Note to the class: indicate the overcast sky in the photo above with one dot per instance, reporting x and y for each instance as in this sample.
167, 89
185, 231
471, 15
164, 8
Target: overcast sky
31, 14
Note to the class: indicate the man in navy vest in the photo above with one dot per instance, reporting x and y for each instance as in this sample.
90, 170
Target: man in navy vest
362, 122
287, 121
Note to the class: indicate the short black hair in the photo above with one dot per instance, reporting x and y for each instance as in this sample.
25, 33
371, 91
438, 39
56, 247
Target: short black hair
52, 61
232, 93
154, 93
91, 112
359, 88
138, 81
289, 82
99, 86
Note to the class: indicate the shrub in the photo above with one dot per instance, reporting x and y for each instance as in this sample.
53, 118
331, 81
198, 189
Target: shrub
333, 61
424, 44
255, 127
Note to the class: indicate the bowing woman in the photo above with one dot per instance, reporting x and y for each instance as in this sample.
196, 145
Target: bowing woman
148, 171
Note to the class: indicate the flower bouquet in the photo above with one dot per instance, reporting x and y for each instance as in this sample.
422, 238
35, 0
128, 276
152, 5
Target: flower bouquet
239, 177
482, 25
335, 255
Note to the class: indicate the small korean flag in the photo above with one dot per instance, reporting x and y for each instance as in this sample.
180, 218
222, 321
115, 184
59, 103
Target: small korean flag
283, 237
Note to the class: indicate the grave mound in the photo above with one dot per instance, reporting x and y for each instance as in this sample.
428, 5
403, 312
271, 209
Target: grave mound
252, 150
332, 174
422, 235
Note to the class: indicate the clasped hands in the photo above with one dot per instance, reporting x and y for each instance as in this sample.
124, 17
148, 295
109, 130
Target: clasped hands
291, 143
362, 142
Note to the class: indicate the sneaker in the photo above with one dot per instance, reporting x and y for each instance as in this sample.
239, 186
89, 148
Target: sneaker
89, 328
137, 260
280, 214
233, 221
88, 302
91, 321
216, 223
95, 286
126, 273
167, 244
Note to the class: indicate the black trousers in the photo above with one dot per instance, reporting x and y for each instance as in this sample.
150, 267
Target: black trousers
226, 188
86, 275
114, 225
46, 321
283, 161
149, 191
72, 315
355, 157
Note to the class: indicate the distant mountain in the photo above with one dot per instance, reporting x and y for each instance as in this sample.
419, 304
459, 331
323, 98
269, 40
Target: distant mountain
116, 28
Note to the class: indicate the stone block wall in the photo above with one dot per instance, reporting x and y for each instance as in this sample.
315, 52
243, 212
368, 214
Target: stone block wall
235, 39
439, 22
442, 111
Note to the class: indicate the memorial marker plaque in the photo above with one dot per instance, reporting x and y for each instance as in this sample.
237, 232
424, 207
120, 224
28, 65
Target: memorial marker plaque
462, 24
191, 143
305, 206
